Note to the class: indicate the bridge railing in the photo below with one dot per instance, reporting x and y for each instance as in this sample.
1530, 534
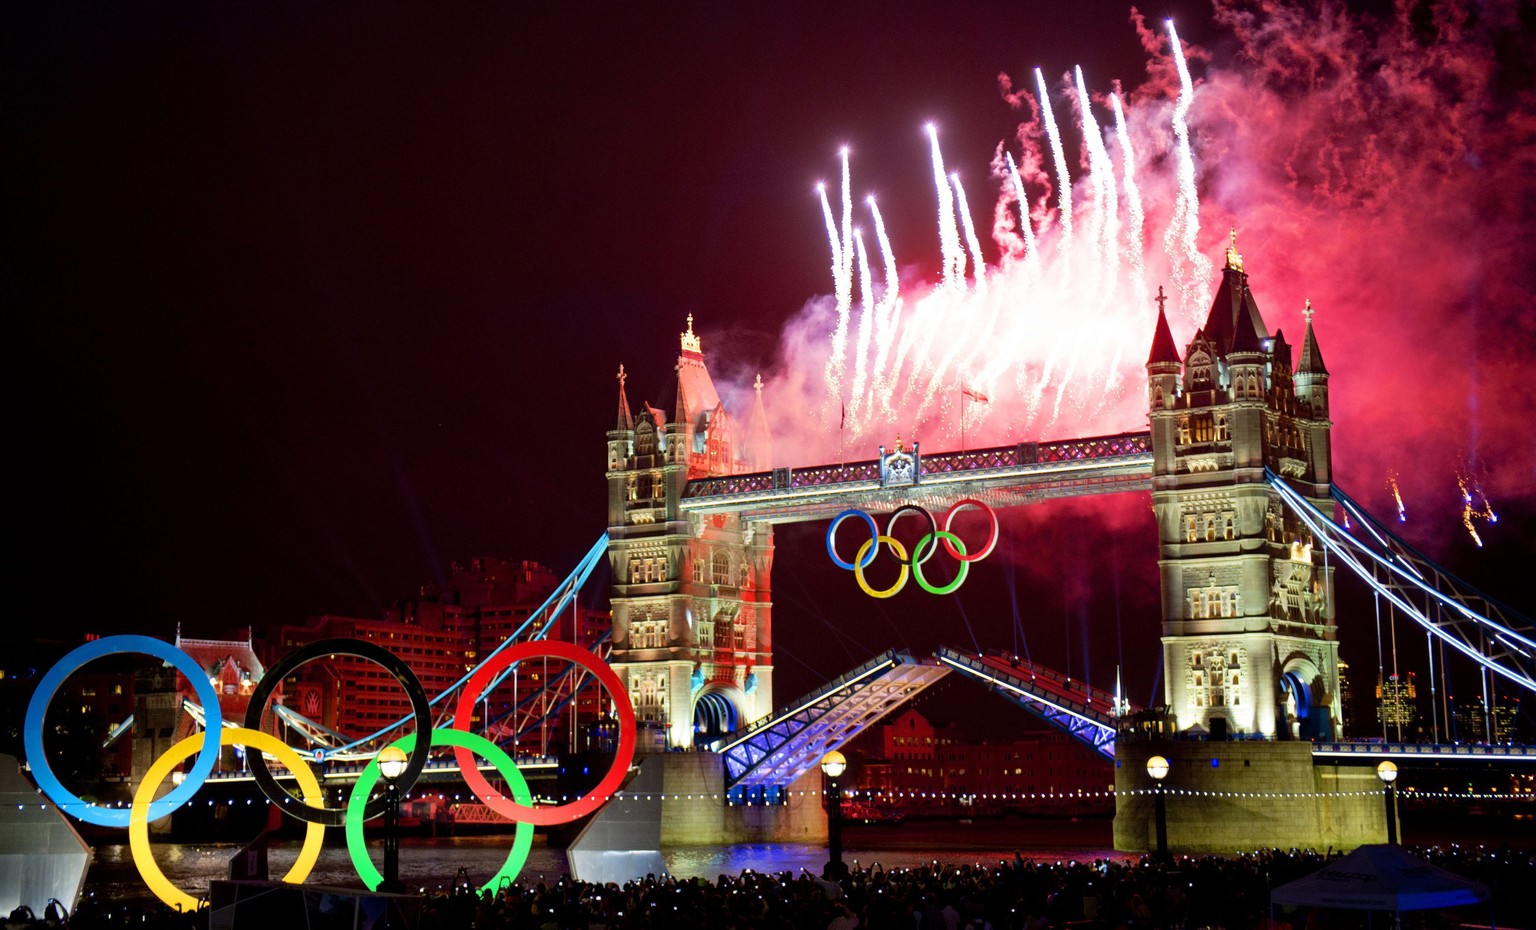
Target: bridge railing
1500, 751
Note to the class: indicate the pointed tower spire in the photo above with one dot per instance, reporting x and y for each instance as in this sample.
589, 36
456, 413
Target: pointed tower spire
1164, 350
680, 407
759, 450
1311, 355
626, 418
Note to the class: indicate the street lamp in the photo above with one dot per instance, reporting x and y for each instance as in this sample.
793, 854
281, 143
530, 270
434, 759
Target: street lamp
1387, 772
833, 765
1157, 767
392, 762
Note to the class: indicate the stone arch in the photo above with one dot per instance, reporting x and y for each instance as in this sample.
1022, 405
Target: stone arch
716, 712
1304, 700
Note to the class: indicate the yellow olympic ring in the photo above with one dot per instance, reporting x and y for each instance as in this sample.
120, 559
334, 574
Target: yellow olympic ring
898, 550
138, 817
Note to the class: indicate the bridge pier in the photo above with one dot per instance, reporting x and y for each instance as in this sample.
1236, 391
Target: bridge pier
1229, 797
694, 811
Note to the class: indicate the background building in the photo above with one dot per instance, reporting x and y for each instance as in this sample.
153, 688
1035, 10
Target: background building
442, 634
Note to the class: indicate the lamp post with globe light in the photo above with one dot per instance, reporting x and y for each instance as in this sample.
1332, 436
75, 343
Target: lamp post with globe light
392, 762
833, 764
1157, 767
1387, 772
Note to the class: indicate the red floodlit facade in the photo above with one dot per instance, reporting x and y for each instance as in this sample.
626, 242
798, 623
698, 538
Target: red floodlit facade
443, 633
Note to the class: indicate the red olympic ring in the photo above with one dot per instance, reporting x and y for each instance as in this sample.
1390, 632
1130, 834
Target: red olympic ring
949, 518
562, 813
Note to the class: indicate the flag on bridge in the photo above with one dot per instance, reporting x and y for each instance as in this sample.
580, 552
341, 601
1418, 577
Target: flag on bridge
975, 395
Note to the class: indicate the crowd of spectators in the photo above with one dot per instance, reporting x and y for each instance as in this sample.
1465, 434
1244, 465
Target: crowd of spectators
1009, 894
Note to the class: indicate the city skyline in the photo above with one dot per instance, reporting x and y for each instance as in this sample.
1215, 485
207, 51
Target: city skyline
322, 305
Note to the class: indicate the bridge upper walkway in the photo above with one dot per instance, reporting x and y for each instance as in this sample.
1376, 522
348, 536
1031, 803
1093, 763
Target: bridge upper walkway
1002, 476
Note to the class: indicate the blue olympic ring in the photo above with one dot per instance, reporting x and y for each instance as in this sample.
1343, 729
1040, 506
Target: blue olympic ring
33, 731
874, 533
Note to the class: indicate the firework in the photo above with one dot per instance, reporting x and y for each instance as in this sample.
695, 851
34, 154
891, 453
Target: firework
1397, 496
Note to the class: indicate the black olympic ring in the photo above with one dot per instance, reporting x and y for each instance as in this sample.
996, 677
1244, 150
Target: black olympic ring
347, 646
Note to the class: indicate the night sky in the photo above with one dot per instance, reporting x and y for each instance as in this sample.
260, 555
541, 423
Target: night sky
307, 303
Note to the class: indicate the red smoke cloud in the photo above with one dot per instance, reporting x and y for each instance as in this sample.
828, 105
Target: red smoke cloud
1382, 167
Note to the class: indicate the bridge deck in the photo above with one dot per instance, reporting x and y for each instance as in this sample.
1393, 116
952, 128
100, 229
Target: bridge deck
1084, 712
1002, 476
774, 751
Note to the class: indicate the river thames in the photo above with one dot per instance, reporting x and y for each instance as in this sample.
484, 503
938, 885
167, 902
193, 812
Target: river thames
435, 863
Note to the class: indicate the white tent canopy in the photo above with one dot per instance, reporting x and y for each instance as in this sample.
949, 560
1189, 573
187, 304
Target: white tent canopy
1381, 878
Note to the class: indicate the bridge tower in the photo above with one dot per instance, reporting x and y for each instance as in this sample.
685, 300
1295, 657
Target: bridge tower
1250, 644
692, 614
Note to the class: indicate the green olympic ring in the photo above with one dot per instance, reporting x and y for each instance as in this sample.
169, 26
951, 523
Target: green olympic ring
965, 564
522, 841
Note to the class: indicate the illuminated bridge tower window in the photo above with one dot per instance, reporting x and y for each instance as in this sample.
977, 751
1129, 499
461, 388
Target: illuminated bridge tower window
692, 614
1249, 635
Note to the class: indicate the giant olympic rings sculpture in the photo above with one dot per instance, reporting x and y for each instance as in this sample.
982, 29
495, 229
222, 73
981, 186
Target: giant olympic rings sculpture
912, 565
308, 806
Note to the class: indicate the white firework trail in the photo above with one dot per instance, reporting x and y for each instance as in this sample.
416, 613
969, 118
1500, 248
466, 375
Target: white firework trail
1181, 241
978, 264
1026, 225
856, 401
885, 313
1105, 218
949, 237
842, 276
959, 330
1059, 156
1136, 217
1135, 223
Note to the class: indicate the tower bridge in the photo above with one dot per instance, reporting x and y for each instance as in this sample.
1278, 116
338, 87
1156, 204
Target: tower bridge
1237, 459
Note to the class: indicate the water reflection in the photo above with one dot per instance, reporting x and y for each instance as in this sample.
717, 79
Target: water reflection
438, 863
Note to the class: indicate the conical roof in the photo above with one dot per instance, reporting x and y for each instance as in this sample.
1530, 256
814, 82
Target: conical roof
1164, 350
626, 418
1311, 355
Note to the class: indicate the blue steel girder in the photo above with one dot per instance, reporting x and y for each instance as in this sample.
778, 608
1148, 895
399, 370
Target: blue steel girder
1003, 476
1043, 696
776, 749
1497, 638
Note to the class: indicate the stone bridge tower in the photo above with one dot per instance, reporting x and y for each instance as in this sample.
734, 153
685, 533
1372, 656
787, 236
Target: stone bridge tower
692, 615
1250, 644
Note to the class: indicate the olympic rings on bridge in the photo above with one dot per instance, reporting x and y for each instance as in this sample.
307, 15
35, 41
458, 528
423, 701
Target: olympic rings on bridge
340, 646
522, 840
310, 806
482, 681
138, 816
911, 565
37, 708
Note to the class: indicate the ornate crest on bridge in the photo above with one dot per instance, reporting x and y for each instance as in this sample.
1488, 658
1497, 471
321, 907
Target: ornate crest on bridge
898, 468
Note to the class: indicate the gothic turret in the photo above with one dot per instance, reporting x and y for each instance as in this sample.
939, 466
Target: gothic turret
1163, 361
1312, 390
